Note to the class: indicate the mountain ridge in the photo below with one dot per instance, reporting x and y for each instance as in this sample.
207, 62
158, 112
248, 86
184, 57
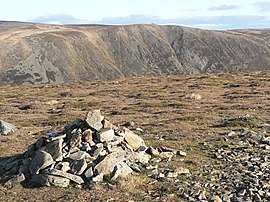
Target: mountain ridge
39, 53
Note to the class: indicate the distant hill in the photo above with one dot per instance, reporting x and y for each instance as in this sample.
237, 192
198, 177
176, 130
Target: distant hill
36, 53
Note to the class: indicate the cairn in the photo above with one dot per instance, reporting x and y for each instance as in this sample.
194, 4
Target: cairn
84, 151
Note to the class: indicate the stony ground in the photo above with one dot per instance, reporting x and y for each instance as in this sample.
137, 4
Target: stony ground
224, 134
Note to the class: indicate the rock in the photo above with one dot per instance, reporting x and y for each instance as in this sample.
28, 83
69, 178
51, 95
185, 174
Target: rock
194, 96
41, 160
152, 151
139, 157
6, 128
106, 166
26, 107
98, 178
63, 166
266, 140
75, 138
55, 149
77, 124
74, 178
133, 140
87, 136
50, 180
139, 130
89, 173
97, 149
78, 167
128, 124
94, 119
121, 170
217, 199
77, 155
181, 170
202, 196
15, 180
181, 153
108, 125
166, 155
105, 135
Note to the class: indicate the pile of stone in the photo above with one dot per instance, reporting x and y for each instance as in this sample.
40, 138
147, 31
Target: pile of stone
88, 150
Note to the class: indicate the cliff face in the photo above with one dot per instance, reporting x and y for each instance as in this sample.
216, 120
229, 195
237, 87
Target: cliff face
33, 53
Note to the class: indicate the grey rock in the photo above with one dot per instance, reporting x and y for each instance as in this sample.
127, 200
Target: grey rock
105, 135
87, 136
15, 180
41, 160
63, 166
97, 149
94, 119
74, 178
50, 180
89, 173
76, 139
6, 128
98, 178
78, 167
55, 149
106, 166
77, 155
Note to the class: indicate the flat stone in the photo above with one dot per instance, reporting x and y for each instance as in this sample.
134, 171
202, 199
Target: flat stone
55, 149
50, 180
105, 135
106, 166
15, 180
133, 140
6, 128
94, 119
41, 160
74, 178
121, 170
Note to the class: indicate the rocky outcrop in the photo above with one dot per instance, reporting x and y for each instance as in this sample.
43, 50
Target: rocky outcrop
86, 150
32, 53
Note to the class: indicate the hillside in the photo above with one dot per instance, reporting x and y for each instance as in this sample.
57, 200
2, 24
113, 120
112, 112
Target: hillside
226, 134
35, 53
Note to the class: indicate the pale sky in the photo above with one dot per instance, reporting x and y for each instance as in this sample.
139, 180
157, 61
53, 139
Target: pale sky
209, 14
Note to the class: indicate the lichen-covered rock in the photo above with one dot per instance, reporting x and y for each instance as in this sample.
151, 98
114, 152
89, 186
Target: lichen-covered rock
49, 180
